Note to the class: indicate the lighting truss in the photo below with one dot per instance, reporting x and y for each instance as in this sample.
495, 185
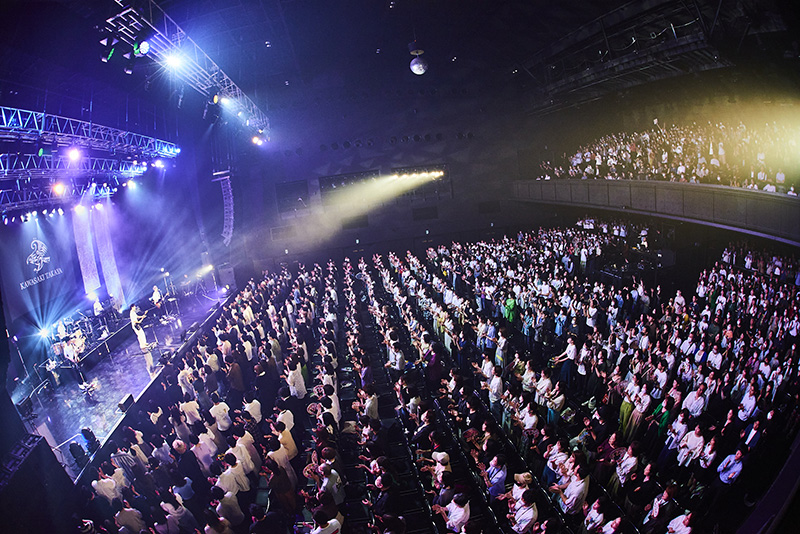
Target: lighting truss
174, 51
32, 165
33, 126
34, 196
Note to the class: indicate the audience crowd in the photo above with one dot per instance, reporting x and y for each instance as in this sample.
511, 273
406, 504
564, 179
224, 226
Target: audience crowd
752, 157
485, 387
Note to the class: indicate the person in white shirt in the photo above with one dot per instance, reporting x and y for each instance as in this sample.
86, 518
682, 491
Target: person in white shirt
495, 388
456, 514
747, 405
525, 513
681, 524
253, 406
572, 497
295, 381
691, 446
326, 525
695, 401
220, 413
233, 479
624, 468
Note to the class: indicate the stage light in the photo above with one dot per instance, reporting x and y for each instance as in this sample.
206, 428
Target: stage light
177, 150
256, 139
131, 184
61, 211
225, 101
141, 49
166, 274
109, 46
173, 61
74, 154
44, 212
44, 332
158, 164
5, 220
59, 188
91, 296
80, 208
162, 269
98, 206
35, 213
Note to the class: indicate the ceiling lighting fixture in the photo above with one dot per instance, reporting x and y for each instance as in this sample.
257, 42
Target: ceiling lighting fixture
418, 65
59, 188
74, 154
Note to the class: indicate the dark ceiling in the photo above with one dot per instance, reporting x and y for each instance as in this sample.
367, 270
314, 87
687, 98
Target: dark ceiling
323, 45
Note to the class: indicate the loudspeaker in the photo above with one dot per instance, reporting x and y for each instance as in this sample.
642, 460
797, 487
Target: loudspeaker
25, 407
126, 403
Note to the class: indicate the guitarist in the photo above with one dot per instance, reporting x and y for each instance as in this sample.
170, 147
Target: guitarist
136, 322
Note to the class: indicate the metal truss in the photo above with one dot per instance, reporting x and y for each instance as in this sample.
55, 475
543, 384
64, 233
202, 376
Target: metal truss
34, 196
171, 48
36, 126
32, 165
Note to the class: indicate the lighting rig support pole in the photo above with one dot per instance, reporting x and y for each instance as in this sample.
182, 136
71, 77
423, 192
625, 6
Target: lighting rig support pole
173, 50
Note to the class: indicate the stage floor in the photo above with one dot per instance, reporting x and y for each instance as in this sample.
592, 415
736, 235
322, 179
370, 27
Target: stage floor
62, 412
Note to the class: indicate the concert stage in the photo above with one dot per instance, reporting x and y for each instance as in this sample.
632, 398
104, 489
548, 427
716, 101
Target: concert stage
117, 368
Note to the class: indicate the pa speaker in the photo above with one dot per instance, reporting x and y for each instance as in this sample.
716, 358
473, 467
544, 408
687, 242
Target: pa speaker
126, 403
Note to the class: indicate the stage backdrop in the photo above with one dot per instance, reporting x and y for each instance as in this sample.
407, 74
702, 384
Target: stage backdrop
37, 265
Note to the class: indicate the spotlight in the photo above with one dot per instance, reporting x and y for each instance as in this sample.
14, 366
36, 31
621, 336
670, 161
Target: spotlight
80, 208
44, 332
74, 154
256, 139
5, 220
109, 46
44, 212
91, 296
166, 274
59, 188
225, 101
61, 211
158, 164
141, 49
35, 213
98, 206
173, 61
131, 184
162, 269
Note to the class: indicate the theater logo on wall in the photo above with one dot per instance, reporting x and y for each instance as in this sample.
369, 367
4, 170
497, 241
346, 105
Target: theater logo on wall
37, 260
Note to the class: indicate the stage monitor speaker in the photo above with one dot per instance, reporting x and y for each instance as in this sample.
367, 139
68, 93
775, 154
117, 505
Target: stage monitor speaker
226, 276
126, 403
25, 407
